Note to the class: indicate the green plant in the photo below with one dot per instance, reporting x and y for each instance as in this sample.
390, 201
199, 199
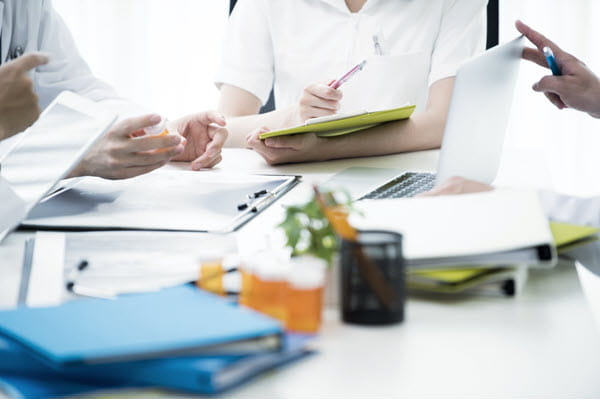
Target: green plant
308, 231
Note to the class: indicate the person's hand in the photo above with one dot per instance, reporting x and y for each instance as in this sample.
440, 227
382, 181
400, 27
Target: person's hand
457, 185
125, 151
577, 88
286, 149
318, 100
18, 102
206, 134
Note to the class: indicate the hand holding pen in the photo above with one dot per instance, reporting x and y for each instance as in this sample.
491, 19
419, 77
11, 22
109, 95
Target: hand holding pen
572, 84
319, 100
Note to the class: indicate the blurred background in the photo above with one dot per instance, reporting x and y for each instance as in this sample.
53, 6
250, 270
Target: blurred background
164, 55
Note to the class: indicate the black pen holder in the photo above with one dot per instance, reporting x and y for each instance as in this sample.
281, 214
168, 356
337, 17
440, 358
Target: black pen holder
372, 269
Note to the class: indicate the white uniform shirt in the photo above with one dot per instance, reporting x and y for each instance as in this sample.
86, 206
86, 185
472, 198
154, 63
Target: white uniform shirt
33, 25
291, 44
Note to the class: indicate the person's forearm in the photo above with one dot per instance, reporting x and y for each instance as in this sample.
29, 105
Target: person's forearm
240, 126
596, 102
422, 132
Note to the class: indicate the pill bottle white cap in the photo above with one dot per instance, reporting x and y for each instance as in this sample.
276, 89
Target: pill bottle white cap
268, 266
156, 129
307, 272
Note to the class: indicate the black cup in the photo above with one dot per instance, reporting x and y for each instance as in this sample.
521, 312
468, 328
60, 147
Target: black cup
373, 283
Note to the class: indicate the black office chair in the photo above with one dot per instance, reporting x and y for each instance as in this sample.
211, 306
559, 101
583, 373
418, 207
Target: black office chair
493, 22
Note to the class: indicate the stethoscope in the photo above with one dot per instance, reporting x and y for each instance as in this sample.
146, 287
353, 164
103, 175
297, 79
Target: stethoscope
15, 53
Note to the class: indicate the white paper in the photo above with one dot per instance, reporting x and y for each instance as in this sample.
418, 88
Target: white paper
119, 262
163, 200
46, 282
462, 225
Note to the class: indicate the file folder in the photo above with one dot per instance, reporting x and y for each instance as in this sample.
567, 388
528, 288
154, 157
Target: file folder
173, 322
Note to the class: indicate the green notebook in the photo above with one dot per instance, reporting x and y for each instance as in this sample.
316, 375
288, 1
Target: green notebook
459, 280
346, 125
568, 236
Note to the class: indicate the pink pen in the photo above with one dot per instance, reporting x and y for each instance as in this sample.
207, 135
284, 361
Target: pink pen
335, 84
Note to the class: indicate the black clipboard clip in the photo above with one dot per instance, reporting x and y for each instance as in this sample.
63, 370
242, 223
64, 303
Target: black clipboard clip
258, 201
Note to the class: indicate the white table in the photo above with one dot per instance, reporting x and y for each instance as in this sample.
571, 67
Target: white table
543, 343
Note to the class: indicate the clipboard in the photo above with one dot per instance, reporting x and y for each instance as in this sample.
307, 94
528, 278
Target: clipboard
346, 124
184, 201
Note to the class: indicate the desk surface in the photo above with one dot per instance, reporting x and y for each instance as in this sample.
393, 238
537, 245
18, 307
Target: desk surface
543, 343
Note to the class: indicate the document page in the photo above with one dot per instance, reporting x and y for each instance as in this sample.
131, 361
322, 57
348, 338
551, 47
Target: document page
461, 225
119, 262
163, 200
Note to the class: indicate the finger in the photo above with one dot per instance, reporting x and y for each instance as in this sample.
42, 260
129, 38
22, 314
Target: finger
437, 191
209, 117
324, 92
294, 142
315, 112
253, 137
126, 127
205, 159
204, 162
216, 161
313, 101
554, 84
137, 133
29, 61
539, 40
432, 192
148, 143
535, 56
149, 158
556, 100
219, 136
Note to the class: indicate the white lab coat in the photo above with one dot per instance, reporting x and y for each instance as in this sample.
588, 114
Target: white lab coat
34, 26
291, 44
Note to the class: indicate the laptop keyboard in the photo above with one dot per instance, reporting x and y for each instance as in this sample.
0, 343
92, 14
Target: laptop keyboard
406, 185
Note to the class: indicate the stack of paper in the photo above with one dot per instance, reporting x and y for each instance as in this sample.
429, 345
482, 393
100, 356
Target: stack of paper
502, 227
505, 281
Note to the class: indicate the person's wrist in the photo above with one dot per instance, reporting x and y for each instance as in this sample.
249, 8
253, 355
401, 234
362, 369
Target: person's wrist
79, 170
595, 112
326, 148
292, 117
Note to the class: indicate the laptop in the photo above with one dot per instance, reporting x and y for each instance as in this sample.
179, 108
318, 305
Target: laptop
473, 137
46, 152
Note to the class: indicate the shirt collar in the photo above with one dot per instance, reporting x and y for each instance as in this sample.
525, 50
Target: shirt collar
340, 5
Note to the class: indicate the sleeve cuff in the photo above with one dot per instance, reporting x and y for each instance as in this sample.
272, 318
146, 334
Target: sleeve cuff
442, 72
254, 83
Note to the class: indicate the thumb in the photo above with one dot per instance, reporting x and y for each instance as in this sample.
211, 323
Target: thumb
210, 117
553, 84
29, 61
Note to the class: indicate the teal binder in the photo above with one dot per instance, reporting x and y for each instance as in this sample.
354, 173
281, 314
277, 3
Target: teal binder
173, 322
28, 377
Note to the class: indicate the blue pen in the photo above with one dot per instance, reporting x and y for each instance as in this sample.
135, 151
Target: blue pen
551, 61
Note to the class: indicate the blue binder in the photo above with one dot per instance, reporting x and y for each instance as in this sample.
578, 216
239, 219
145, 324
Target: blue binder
25, 376
172, 322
